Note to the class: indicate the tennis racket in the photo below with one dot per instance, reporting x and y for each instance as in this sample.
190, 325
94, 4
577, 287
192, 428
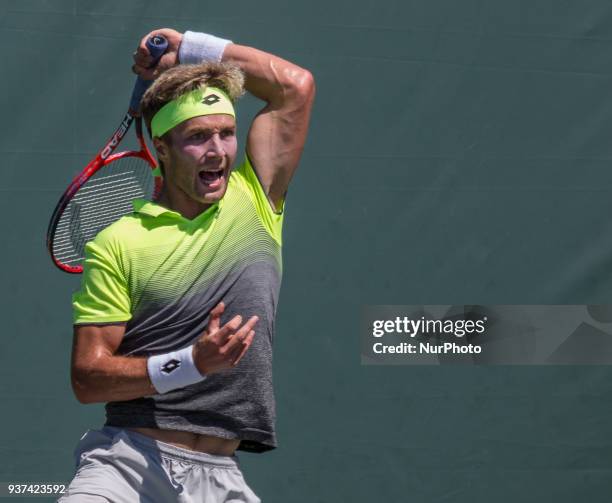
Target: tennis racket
103, 192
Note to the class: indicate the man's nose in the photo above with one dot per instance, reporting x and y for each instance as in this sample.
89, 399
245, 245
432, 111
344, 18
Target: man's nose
216, 146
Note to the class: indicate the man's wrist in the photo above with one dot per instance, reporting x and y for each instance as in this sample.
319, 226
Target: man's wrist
198, 48
173, 370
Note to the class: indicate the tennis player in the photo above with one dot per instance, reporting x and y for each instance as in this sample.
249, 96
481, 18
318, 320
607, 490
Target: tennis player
174, 321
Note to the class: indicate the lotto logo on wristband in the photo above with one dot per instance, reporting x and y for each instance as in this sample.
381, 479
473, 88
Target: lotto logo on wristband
173, 370
171, 366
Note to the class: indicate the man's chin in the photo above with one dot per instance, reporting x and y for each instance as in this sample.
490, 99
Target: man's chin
212, 196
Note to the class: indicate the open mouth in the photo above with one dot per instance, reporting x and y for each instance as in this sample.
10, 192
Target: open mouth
211, 177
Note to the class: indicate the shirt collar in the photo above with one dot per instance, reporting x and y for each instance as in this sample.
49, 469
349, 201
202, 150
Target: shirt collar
150, 208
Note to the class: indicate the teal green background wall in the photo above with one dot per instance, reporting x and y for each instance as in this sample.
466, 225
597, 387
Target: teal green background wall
459, 153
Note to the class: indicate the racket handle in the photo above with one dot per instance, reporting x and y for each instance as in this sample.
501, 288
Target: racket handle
157, 45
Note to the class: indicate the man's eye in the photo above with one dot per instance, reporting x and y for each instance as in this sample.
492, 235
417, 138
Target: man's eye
227, 133
196, 136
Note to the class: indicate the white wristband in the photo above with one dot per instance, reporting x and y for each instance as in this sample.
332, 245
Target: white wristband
173, 370
197, 48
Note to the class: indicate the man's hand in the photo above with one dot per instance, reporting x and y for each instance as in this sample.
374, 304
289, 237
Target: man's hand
221, 348
143, 60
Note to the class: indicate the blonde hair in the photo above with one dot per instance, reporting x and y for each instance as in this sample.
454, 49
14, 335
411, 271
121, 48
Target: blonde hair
181, 79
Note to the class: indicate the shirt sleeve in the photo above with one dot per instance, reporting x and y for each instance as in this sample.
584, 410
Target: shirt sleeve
272, 220
103, 296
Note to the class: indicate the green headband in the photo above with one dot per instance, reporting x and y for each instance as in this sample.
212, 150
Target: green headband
202, 101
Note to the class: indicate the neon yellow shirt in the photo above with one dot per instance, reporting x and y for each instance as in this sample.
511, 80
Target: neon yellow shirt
162, 274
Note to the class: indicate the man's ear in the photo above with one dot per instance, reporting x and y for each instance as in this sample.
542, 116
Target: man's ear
161, 148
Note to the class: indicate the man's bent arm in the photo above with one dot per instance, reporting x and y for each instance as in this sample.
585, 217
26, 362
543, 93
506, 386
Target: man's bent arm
277, 135
98, 375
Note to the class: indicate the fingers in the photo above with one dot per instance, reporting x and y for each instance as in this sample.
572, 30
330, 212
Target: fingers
235, 340
147, 73
138, 69
242, 349
143, 61
223, 348
141, 55
222, 334
144, 73
214, 321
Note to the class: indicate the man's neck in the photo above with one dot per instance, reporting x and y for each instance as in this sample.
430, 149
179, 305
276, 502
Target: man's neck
188, 208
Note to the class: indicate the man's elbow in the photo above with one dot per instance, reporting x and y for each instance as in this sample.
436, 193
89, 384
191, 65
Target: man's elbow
305, 84
300, 84
81, 386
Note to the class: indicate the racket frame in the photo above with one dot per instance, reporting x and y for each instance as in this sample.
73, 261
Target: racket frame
104, 157
156, 45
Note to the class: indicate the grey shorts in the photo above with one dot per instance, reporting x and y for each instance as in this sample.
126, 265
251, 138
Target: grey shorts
122, 466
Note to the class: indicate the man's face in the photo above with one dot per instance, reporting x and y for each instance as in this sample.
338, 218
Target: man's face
198, 157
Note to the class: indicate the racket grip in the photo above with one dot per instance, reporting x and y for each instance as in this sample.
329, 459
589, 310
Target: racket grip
157, 45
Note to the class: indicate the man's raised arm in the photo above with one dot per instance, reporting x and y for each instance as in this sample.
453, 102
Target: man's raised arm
278, 132
277, 135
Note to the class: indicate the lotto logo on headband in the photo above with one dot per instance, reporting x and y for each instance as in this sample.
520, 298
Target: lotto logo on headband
211, 99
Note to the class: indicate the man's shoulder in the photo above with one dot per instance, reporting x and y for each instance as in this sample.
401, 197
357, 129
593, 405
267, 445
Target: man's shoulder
122, 232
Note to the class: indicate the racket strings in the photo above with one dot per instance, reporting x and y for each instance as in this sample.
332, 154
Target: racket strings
100, 201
